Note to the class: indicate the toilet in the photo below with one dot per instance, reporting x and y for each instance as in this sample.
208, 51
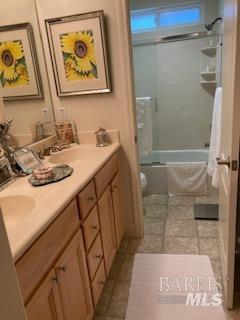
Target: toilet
143, 180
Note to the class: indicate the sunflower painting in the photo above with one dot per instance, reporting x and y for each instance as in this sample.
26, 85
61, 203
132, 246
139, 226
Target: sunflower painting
13, 68
79, 55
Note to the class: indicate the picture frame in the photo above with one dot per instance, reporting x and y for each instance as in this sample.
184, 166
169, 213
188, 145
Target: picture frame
19, 70
77, 46
27, 160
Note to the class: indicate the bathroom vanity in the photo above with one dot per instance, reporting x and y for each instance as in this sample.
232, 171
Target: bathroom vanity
63, 259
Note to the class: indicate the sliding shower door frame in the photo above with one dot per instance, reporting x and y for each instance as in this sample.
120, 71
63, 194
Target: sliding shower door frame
176, 38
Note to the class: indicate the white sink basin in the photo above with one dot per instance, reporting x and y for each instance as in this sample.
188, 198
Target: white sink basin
80, 155
16, 208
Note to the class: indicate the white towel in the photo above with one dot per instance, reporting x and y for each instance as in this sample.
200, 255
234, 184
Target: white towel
144, 125
214, 151
187, 178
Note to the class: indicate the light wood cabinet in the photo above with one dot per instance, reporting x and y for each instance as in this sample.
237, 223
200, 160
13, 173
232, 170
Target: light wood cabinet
94, 257
73, 281
46, 304
105, 175
86, 200
65, 293
98, 283
117, 209
91, 228
107, 225
64, 271
33, 266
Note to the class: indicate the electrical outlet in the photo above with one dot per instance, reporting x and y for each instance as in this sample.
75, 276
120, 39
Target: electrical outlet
45, 115
61, 114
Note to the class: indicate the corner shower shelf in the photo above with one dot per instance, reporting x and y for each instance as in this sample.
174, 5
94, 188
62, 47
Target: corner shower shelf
210, 83
209, 76
210, 51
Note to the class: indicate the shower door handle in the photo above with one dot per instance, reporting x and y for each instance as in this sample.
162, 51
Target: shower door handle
226, 162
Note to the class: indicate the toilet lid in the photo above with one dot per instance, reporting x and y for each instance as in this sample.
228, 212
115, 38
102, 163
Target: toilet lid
142, 176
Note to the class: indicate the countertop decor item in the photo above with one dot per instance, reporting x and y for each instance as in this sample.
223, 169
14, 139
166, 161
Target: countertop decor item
78, 53
27, 160
66, 133
43, 173
102, 138
58, 173
18, 56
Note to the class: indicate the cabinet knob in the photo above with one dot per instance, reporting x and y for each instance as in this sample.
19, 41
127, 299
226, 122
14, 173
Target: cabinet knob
63, 269
94, 227
91, 198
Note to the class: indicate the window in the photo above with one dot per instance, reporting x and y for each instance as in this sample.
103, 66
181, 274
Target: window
143, 22
179, 17
153, 19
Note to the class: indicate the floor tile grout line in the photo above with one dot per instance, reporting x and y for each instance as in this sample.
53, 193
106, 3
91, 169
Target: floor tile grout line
165, 226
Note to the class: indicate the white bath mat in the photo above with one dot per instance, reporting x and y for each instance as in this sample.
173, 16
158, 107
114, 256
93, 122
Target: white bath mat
162, 285
187, 178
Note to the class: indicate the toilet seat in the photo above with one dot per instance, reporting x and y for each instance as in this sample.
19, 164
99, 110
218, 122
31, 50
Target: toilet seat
143, 180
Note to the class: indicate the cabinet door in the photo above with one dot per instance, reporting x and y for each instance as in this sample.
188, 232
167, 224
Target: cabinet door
73, 281
107, 228
45, 304
118, 214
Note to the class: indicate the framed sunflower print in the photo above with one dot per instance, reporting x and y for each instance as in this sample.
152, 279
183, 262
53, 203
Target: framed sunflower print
19, 71
78, 53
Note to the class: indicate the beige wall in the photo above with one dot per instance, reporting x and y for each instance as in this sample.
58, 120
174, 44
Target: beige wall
112, 111
26, 111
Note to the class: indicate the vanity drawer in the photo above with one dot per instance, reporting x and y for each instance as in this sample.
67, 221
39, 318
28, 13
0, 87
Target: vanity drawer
105, 175
91, 227
38, 260
86, 199
98, 283
95, 256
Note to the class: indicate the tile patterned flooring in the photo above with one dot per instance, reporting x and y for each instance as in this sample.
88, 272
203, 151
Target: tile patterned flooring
169, 227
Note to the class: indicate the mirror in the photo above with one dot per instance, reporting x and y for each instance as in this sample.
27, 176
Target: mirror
23, 73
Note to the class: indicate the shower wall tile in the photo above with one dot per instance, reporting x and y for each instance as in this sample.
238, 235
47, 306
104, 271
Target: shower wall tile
171, 74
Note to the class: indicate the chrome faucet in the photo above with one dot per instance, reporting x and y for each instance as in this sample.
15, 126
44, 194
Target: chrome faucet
48, 151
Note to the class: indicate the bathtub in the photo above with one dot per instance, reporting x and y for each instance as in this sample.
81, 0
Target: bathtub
154, 166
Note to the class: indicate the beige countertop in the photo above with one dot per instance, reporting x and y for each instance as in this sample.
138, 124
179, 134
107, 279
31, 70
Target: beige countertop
48, 201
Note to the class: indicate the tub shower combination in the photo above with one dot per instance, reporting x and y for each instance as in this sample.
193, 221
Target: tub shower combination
178, 115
